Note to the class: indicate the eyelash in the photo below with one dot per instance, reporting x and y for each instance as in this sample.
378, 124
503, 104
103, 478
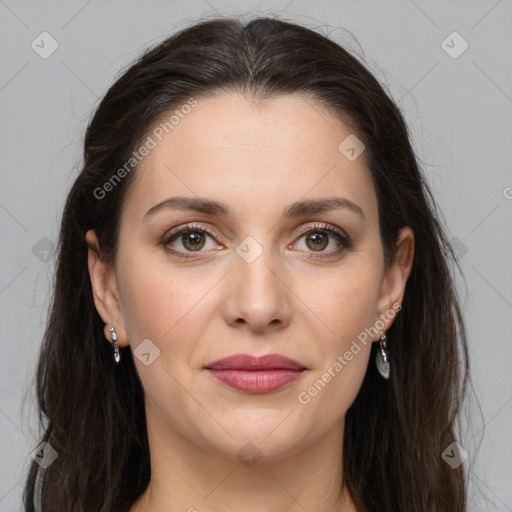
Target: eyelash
342, 238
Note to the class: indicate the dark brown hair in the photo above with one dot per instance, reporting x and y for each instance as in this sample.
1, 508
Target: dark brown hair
92, 411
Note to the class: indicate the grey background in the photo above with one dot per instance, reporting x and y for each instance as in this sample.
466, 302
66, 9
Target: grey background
458, 109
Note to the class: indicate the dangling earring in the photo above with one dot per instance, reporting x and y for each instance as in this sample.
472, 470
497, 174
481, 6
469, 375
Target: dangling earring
382, 358
117, 356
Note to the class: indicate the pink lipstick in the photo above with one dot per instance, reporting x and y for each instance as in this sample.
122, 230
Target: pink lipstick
256, 375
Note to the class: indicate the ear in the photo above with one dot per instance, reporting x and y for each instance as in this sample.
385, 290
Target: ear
105, 290
394, 280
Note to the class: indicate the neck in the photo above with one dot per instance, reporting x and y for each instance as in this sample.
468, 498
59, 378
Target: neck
187, 476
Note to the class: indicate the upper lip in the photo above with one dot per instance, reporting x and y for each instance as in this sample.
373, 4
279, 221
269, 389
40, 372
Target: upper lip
248, 362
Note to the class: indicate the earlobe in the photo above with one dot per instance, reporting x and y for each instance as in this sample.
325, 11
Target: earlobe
105, 290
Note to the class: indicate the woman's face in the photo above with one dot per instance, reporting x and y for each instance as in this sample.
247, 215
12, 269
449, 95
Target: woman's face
264, 277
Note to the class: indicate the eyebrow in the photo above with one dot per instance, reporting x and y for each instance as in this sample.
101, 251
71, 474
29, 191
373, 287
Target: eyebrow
297, 209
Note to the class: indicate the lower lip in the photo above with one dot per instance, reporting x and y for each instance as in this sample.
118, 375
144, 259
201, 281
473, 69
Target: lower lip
256, 381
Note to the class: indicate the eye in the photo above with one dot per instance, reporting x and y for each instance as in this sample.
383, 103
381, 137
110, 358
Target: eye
319, 237
191, 238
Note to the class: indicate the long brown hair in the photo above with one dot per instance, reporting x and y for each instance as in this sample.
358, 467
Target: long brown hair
92, 411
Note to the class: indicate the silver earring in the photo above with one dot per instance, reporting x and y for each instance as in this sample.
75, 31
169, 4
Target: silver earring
117, 356
382, 358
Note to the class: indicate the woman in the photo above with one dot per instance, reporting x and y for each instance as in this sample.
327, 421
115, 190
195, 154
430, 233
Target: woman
254, 307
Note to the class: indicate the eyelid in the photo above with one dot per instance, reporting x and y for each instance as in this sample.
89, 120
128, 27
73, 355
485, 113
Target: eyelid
342, 238
325, 226
345, 240
189, 227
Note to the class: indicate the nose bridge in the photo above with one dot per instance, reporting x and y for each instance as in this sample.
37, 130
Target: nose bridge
258, 266
258, 295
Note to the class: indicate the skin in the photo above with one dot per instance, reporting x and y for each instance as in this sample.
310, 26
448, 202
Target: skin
258, 160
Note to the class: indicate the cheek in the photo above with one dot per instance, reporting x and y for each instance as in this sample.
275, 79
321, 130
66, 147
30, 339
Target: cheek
149, 293
168, 309
330, 393
345, 301
160, 303
348, 312
149, 305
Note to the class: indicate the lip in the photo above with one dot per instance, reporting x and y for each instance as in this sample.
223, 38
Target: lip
256, 381
256, 375
252, 363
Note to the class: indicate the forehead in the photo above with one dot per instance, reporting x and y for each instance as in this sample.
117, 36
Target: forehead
252, 156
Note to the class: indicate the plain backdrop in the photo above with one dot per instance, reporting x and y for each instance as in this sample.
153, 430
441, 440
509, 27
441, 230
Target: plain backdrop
456, 100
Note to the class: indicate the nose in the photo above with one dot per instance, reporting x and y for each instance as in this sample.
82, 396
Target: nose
257, 296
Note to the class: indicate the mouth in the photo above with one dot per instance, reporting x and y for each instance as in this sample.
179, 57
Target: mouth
256, 375
253, 363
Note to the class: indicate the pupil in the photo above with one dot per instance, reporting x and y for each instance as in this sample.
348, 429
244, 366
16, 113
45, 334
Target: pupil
192, 239
318, 238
